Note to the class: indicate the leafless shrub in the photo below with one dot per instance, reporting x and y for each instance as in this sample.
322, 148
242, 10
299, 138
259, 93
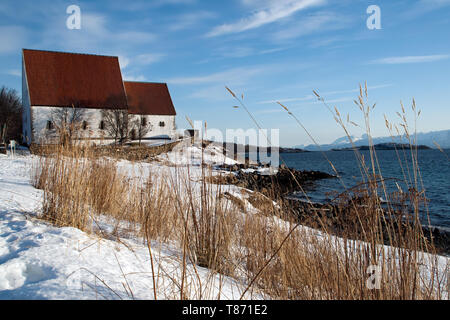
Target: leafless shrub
10, 115
116, 123
67, 123
139, 127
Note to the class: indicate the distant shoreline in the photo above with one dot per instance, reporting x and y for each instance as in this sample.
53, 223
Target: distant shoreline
384, 146
362, 148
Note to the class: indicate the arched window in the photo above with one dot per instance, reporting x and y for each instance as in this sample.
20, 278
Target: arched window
49, 125
144, 121
162, 124
85, 125
102, 125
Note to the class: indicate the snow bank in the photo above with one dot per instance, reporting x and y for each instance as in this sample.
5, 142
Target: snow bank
192, 155
40, 261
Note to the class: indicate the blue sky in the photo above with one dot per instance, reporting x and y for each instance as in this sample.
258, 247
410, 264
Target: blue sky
269, 50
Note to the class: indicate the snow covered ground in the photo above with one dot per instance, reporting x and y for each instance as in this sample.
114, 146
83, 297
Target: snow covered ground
192, 155
40, 261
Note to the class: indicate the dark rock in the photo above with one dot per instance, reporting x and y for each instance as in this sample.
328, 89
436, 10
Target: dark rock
285, 181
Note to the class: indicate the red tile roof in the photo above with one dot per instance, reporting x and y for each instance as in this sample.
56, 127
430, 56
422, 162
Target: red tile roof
149, 98
62, 79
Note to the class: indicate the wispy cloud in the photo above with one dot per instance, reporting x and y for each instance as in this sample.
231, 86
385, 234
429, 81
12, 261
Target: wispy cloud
306, 98
189, 20
211, 93
337, 100
329, 93
142, 5
317, 22
235, 76
124, 62
270, 111
139, 60
149, 58
97, 31
12, 38
379, 86
324, 42
411, 59
425, 6
312, 102
241, 51
129, 77
276, 10
14, 72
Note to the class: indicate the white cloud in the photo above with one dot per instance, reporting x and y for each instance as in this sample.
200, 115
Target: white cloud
166, 2
313, 23
128, 77
270, 111
189, 20
149, 58
306, 98
135, 37
276, 10
434, 3
344, 99
411, 59
12, 38
14, 72
140, 60
124, 62
369, 88
94, 24
211, 93
139, 6
231, 76
97, 31
422, 7
313, 97
317, 43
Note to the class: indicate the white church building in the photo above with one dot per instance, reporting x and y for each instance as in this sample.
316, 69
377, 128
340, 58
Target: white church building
87, 87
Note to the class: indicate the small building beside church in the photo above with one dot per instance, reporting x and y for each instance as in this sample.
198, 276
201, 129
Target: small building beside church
151, 110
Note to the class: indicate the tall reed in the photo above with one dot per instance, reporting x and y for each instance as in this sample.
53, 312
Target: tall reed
264, 247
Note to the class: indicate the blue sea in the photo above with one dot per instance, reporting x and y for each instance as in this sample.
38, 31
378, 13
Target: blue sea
434, 171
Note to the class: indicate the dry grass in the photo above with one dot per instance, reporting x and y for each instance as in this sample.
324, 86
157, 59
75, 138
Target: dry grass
265, 248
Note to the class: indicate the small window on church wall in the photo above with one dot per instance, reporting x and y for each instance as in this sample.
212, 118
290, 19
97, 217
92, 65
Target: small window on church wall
49, 125
162, 124
102, 125
85, 125
144, 121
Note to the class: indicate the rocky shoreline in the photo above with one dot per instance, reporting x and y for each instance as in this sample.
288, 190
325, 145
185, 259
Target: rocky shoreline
269, 182
339, 218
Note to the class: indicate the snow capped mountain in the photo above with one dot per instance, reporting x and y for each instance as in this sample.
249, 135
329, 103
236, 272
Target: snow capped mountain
429, 139
346, 140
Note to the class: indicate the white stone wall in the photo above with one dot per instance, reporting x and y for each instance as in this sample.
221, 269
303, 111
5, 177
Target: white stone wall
155, 130
26, 114
41, 115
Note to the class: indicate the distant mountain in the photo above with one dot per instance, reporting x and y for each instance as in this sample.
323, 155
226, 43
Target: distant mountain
383, 146
442, 138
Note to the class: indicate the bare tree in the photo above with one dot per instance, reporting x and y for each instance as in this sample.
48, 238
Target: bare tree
10, 115
67, 122
116, 123
140, 127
